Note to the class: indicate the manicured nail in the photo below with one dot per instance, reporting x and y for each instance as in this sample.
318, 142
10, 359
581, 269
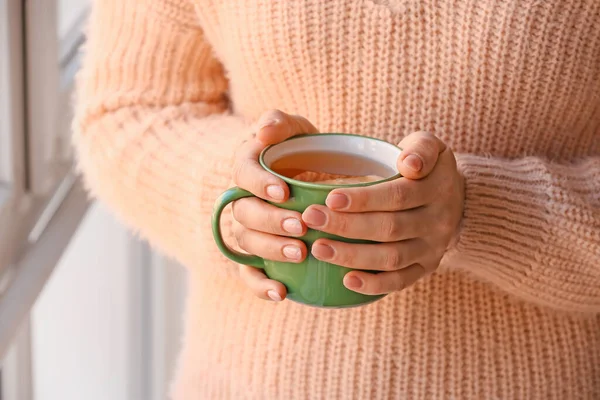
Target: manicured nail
314, 217
337, 201
353, 282
275, 192
322, 251
292, 225
413, 162
269, 122
273, 295
292, 252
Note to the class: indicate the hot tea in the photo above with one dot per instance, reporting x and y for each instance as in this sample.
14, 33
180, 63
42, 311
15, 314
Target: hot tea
327, 167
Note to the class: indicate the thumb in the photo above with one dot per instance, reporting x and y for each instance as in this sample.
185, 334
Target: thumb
275, 126
420, 151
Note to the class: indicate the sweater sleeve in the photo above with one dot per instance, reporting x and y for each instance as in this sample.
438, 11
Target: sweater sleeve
152, 131
532, 227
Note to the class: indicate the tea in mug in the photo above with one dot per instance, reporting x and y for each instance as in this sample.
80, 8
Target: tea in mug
332, 168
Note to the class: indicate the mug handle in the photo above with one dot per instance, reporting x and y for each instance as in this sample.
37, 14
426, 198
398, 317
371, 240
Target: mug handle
229, 196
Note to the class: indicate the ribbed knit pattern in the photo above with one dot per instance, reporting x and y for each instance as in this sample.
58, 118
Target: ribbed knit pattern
170, 87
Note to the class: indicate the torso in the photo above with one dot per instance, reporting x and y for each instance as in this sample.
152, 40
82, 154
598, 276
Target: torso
506, 78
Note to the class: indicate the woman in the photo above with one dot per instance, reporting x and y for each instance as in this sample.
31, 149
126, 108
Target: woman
501, 196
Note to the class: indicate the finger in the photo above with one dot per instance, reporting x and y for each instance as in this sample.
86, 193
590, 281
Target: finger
399, 194
261, 285
375, 226
270, 247
275, 126
250, 175
385, 282
420, 151
257, 215
376, 257
396, 195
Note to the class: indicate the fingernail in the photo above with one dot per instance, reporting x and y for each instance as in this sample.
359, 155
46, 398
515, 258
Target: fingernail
314, 217
273, 295
292, 225
323, 251
352, 282
292, 252
275, 192
337, 201
269, 122
413, 162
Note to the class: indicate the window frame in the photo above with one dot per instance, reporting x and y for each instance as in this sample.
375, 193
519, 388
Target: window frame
42, 199
12, 103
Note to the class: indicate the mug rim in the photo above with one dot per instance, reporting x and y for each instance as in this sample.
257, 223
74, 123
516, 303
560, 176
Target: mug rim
312, 185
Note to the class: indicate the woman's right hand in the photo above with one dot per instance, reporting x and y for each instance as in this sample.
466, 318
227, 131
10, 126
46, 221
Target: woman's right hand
261, 228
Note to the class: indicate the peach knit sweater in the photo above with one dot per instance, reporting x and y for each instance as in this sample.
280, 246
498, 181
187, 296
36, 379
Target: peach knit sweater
169, 87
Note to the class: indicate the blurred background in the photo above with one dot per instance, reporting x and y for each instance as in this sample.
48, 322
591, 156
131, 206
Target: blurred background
87, 311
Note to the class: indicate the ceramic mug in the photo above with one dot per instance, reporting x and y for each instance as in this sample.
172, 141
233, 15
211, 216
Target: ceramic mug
312, 282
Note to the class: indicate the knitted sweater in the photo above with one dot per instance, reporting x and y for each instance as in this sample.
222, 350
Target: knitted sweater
170, 87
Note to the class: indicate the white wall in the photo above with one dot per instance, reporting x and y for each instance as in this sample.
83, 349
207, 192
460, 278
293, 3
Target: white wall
108, 324
81, 324
169, 290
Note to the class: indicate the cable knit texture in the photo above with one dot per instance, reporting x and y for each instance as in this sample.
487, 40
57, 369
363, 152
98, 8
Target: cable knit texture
170, 87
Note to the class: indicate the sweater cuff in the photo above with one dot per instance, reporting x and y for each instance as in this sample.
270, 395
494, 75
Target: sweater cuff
505, 216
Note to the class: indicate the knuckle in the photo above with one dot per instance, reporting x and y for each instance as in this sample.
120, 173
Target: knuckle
375, 285
399, 283
303, 125
397, 195
236, 210
427, 151
275, 113
345, 256
337, 223
389, 228
427, 146
239, 233
273, 222
428, 139
392, 260
359, 200
238, 171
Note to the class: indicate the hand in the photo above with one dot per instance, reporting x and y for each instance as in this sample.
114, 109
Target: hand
263, 229
416, 217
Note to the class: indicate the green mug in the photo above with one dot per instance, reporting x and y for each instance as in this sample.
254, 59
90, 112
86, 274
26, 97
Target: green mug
312, 282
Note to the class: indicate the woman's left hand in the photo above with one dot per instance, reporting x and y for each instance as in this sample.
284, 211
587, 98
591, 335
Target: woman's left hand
416, 218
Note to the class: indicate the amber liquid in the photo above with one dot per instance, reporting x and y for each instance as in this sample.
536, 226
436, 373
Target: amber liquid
327, 167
